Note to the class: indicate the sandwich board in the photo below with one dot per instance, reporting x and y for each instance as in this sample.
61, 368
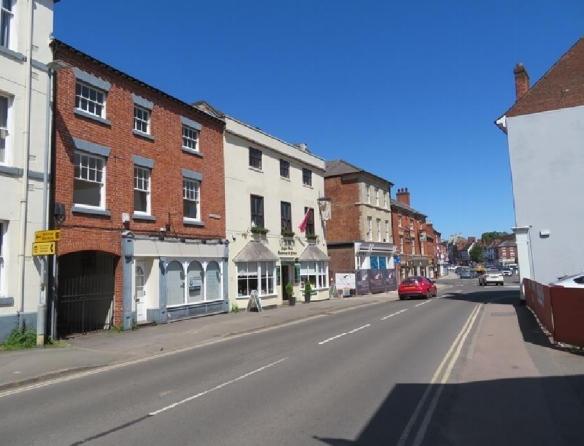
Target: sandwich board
254, 301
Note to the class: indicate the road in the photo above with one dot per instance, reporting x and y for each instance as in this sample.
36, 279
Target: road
357, 377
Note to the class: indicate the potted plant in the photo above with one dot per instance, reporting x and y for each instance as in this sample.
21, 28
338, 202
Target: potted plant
259, 230
307, 292
287, 233
290, 293
311, 236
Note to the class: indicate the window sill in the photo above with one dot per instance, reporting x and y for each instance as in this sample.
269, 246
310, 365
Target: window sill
255, 169
144, 217
193, 304
99, 119
143, 135
285, 178
12, 54
192, 222
12, 171
307, 185
192, 152
90, 211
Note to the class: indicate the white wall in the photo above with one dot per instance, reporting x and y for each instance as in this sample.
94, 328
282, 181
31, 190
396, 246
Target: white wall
546, 152
241, 181
12, 85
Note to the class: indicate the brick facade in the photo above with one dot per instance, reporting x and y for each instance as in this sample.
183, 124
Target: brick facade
83, 231
345, 213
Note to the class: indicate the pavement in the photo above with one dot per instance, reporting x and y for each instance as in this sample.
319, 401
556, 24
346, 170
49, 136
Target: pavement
498, 345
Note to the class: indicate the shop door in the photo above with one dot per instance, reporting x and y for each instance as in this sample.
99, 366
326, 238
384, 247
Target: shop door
140, 292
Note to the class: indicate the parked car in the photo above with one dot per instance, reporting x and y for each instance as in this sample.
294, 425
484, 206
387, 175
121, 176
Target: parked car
572, 281
417, 286
491, 276
507, 272
466, 273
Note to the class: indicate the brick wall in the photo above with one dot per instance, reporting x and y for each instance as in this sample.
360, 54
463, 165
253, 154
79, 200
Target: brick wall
342, 259
92, 232
165, 150
345, 214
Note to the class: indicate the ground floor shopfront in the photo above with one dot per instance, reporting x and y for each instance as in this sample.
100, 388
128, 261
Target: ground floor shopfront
267, 265
417, 265
107, 281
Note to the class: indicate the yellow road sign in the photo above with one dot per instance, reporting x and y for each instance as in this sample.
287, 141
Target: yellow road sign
43, 249
47, 236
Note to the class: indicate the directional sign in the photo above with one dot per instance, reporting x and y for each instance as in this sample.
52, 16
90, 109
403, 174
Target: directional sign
43, 249
47, 236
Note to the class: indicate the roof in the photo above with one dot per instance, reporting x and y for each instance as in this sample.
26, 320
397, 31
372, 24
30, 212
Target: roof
341, 167
561, 87
405, 207
255, 251
313, 253
509, 243
56, 44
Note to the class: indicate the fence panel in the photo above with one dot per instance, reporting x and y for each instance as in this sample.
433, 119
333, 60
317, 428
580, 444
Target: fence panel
568, 311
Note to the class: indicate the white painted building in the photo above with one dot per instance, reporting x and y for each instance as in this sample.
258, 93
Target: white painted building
545, 131
272, 185
23, 96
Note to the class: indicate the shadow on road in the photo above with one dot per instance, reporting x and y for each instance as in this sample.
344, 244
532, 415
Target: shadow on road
487, 294
534, 411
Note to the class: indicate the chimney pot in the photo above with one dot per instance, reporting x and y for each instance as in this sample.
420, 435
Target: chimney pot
521, 81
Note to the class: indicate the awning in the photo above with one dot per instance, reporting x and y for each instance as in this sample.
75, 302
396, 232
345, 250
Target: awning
312, 253
255, 251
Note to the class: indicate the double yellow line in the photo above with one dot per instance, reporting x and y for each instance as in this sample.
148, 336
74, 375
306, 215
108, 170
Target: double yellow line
453, 354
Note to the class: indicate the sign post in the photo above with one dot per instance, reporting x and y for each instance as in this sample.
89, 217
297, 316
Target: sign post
45, 244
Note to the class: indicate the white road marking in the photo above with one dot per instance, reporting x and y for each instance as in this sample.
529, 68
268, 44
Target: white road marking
343, 334
467, 325
423, 303
220, 386
394, 314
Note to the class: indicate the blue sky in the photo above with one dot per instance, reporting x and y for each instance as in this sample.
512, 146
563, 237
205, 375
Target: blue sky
407, 90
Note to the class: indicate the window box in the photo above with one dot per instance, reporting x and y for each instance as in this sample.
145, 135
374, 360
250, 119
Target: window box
311, 236
259, 230
288, 233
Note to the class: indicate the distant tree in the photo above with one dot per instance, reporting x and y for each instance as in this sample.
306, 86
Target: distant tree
489, 237
476, 253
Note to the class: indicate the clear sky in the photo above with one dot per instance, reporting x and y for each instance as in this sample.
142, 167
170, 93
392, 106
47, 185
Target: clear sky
408, 90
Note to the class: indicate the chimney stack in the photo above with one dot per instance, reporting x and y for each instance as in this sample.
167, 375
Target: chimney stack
403, 196
521, 81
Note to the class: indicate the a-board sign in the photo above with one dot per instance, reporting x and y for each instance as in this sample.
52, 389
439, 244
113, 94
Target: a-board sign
254, 301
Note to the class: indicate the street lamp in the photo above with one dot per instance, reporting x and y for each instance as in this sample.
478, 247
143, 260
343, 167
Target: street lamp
52, 67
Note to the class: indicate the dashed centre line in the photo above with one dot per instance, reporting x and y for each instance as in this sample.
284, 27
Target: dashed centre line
343, 334
423, 303
394, 314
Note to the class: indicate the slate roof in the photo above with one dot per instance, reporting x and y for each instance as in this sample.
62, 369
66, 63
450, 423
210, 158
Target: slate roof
405, 207
313, 253
255, 251
341, 167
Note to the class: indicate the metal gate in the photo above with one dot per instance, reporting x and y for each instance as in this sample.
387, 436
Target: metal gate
86, 291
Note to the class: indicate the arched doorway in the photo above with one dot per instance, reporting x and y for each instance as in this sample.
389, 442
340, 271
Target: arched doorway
86, 288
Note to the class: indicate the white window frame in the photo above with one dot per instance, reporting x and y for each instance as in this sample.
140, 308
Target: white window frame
411, 224
190, 136
367, 194
316, 269
385, 194
192, 195
146, 177
102, 183
387, 231
80, 98
401, 244
369, 228
376, 196
262, 272
8, 15
143, 120
4, 132
399, 220
379, 229
185, 263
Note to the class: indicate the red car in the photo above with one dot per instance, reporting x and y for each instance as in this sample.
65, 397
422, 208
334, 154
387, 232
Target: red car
417, 286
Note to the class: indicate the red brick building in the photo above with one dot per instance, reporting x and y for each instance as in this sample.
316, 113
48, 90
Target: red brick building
359, 235
140, 199
410, 237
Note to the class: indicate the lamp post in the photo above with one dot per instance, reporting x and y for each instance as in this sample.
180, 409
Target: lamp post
52, 67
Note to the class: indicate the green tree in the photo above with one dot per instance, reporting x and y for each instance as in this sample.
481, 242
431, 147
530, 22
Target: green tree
476, 253
488, 237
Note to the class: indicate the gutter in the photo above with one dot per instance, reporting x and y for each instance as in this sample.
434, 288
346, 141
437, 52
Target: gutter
502, 124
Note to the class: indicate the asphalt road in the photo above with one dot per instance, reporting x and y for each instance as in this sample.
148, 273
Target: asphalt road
357, 377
